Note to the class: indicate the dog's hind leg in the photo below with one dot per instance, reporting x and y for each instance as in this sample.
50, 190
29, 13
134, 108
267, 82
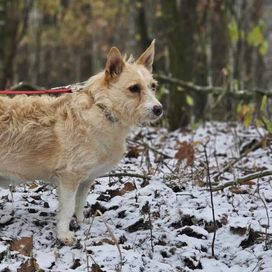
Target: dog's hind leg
81, 196
67, 199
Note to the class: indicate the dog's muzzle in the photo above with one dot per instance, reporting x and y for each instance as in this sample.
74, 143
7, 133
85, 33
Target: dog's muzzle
157, 110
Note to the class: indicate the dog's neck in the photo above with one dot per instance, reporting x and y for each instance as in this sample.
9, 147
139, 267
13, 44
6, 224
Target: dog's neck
108, 114
93, 88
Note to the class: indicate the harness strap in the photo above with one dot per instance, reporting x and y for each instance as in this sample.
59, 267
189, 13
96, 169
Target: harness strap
50, 91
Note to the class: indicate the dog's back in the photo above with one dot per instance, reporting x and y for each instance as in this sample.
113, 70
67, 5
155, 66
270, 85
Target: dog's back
28, 142
41, 137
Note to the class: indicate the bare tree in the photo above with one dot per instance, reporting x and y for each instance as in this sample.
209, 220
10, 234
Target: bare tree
14, 20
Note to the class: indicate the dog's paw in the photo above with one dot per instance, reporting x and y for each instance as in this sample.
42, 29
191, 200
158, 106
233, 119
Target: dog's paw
67, 238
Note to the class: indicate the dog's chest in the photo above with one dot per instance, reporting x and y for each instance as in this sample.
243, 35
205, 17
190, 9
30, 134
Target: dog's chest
104, 154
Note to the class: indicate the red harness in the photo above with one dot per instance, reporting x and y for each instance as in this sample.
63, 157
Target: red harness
50, 91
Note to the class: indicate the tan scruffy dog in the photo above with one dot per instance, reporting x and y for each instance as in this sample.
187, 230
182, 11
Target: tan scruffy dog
72, 139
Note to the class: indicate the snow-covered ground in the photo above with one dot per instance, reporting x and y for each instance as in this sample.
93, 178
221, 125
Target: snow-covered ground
161, 223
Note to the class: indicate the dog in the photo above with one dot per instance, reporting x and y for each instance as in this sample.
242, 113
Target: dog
72, 139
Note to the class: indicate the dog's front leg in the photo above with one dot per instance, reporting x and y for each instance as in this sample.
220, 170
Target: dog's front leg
81, 196
67, 199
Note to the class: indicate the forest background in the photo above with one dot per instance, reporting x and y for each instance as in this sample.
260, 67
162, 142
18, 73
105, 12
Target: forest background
213, 59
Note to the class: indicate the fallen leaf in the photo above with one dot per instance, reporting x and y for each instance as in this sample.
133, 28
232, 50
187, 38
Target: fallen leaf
192, 263
29, 265
133, 152
238, 190
238, 230
252, 236
192, 233
128, 187
249, 182
139, 225
96, 268
23, 245
76, 264
107, 241
186, 152
211, 226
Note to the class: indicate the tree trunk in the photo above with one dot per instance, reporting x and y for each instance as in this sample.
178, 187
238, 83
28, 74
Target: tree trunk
219, 41
3, 38
180, 18
141, 25
15, 17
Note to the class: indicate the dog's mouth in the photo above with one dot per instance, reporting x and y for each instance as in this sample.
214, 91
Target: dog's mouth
152, 118
147, 117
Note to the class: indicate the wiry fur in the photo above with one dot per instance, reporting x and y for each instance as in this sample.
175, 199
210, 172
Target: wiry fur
69, 140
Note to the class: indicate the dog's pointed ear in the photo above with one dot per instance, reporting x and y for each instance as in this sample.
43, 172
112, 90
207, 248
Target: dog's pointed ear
147, 57
114, 64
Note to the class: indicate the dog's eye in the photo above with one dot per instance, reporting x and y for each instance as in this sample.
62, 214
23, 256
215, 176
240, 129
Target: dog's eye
154, 86
135, 88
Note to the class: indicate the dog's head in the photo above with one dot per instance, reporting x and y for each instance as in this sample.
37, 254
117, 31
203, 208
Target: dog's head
130, 87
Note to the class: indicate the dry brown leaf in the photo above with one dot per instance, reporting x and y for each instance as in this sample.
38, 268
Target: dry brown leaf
76, 264
238, 230
29, 265
186, 152
23, 245
133, 152
96, 268
238, 190
107, 241
249, 182
128, 187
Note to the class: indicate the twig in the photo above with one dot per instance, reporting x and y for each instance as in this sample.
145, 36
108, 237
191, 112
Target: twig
147, 160
151, 148
211, 196
85, 246
263, 233
151, 228
113, 238
267, 215
242, 180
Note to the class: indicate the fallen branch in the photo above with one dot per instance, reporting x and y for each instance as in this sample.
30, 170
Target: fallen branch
133, 175
242, 180
189, 86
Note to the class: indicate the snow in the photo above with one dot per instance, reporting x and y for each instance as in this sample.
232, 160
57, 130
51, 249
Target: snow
179, 209
45, 259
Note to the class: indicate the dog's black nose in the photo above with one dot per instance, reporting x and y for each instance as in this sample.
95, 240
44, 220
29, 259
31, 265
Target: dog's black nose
157, 110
